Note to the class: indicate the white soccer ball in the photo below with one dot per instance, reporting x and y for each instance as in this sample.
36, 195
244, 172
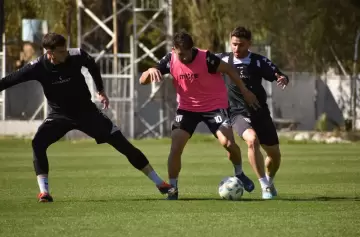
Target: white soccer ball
231, 188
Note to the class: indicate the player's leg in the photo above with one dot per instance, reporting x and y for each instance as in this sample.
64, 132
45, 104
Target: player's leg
243, 128
272, 164
219, 124
106, 131
137, 159
269, 141
183, 127
50, 131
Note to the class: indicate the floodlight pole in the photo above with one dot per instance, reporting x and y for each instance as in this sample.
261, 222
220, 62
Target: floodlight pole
354, 79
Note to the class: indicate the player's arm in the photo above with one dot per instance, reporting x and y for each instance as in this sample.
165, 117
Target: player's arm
24, 74
271, 72
155, 73
94, 70
215, 65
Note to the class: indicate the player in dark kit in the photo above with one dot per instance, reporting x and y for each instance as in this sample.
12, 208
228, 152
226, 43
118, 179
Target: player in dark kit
254, 126
59, 73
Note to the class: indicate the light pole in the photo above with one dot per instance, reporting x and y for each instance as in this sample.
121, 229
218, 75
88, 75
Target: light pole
354, 79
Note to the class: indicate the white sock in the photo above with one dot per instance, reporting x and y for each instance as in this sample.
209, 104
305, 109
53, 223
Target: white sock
264, 182
238, 169
270, 179
43, 184
173, 182
155, 178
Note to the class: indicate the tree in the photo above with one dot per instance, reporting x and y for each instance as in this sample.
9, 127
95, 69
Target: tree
300, 32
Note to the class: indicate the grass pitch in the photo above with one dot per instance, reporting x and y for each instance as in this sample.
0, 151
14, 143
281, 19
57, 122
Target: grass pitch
97, 193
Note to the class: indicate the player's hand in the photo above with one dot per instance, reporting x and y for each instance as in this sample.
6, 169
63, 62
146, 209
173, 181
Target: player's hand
103, 99
282, 81
251, 100
155, 75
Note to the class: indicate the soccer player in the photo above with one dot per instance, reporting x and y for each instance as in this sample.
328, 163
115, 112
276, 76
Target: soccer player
254, 126
201, 96
59, 73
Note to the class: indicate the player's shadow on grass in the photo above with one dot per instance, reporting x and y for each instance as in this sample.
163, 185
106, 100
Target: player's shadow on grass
291, 199
319, 198
186, 199
216, 199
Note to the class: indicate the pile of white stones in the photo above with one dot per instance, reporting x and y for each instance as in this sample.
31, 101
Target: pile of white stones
319, 137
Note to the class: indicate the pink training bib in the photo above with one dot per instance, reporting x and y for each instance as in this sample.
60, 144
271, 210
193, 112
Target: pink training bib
197, 89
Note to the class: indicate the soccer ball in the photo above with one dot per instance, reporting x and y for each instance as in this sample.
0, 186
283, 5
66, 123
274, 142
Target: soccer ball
231, 188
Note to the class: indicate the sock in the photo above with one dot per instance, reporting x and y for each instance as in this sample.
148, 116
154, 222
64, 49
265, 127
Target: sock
173, 182
270, 179
264, 182
238, 169
43, 184
155, 178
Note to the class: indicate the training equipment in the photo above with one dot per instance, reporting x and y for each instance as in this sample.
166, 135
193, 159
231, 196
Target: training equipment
231, 188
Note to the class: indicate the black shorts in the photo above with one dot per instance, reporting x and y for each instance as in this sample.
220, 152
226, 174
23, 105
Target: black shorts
188, 121
264, 127
94, 123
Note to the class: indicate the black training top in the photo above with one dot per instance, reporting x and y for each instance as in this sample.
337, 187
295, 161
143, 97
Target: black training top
64, 85
252, 70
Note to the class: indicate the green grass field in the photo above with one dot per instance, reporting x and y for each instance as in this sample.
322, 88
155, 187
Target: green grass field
97, 193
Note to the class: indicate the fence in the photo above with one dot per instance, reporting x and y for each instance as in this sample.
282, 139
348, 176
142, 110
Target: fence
304, 100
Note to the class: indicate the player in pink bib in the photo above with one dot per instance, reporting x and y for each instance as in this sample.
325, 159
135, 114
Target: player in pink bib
195, 86
202, 97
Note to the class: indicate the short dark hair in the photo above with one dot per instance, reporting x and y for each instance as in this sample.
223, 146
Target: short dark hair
241, 32
182, 39
53, 40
